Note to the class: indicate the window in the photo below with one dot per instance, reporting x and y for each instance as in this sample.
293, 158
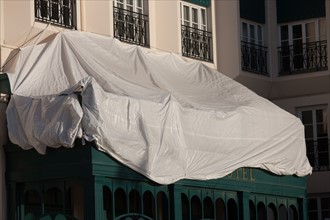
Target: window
312, 208
196, 40
319, 208
303, 46
325, 207
57, 12
254, 54
315, 120
130, 22
252, 33
193, 16
130, 5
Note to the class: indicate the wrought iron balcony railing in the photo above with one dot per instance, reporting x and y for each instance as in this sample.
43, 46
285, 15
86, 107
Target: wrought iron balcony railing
254, 58
131, 27
58, 12
307, 57
318, 154
196, 43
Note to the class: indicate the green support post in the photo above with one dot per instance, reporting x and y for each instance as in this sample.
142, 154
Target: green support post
98, 193
177, 208
244, 205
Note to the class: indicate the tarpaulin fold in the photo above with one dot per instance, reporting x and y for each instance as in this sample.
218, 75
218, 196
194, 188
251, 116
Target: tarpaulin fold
164, 117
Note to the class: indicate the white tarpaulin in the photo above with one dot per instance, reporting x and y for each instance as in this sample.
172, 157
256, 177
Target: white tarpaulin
158, 114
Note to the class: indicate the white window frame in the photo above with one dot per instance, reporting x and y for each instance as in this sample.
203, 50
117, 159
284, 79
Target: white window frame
315, 132
303, 24
258, 33
189, 22
124, 4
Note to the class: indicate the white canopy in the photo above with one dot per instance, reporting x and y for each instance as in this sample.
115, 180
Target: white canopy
164, 117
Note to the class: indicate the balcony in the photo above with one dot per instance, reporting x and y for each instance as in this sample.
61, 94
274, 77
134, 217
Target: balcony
58, 12
318, 154
301, 58
131, 27
254, 58
196, 43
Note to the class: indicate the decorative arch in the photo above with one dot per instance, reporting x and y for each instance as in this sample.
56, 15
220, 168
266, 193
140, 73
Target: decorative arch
162, 206
107, 202
261, 211
134, 202
32, 203
293, 213
185, 206
196, 208
53, 200
220, 209
271, 212
252, 208
232, 209
120, 202
283, 213
149, 204
208, 208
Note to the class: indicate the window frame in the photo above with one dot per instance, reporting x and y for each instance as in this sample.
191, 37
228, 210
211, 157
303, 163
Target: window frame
317, 31
200, 18
65, 12
315, 132
134, 6
259, 36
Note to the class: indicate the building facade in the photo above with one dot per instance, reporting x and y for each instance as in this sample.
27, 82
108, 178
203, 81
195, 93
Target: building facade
276, 48
282, 51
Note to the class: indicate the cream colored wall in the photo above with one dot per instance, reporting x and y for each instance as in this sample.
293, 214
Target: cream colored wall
165, 28
19, 28
227, 26
97, 17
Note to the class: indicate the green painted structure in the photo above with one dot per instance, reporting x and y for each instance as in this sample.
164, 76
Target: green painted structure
204, 3
85, 183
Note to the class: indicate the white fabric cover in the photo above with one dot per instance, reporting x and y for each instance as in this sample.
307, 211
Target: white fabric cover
164, 117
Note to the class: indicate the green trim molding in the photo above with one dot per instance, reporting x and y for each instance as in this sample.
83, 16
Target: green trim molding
204, 3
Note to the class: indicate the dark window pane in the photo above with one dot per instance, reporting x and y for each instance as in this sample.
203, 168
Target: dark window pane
296, 31
312, 215
312, 204
325, 203
321, 115
308, 131
322, 130
325, 214
284, 32
307, 117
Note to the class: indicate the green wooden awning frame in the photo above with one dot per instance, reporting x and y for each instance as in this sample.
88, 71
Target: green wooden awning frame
204, 3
